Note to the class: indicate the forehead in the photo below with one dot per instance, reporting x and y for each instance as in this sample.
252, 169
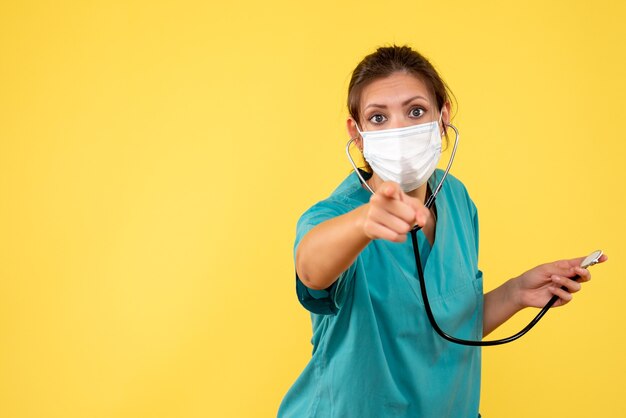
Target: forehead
395, 88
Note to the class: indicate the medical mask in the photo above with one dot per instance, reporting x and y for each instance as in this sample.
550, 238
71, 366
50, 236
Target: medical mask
407, 156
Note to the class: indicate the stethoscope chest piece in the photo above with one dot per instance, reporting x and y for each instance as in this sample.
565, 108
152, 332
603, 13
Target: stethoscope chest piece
593, 258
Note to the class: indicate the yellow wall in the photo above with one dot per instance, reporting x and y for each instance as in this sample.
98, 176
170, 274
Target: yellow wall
154, 159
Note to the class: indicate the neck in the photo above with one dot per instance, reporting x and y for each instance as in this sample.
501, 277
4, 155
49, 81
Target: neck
419, 193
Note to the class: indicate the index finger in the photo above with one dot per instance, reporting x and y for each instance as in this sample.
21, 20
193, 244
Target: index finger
391, 190
576, 262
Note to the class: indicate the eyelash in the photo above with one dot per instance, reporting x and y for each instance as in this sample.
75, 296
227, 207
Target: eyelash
371, 119
385, 118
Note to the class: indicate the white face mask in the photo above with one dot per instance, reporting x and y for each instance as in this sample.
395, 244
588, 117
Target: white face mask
407, 156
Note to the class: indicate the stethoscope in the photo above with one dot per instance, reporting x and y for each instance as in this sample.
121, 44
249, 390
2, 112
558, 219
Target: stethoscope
592, 259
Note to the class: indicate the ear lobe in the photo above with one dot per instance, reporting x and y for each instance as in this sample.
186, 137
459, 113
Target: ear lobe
359, 143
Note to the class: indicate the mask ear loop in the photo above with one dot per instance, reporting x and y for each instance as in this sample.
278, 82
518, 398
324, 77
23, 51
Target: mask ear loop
356, 125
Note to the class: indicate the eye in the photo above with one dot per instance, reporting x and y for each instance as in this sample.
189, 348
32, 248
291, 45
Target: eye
377, 119
416, 112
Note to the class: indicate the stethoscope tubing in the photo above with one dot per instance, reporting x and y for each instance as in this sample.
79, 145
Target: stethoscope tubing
429, 313
475, 343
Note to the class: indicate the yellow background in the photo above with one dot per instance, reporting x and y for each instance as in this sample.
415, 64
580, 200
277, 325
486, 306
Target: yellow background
155, 157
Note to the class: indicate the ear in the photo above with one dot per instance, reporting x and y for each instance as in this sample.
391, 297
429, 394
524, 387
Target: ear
352, 131
445, 118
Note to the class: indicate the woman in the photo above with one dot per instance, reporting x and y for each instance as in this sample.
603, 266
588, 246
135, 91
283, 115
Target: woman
374, 352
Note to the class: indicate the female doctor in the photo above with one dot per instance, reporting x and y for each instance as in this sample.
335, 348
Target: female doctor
374, 352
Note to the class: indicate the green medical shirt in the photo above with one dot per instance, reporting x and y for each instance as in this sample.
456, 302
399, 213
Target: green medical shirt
374, 352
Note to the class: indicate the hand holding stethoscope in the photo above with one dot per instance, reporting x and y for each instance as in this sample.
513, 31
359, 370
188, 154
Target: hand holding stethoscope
538, 285
392, 213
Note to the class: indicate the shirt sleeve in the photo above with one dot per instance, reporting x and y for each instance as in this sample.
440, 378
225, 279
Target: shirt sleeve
474, 213
475, 224
326, 301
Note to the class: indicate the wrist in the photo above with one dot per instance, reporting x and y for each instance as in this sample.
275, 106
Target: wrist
360, 217
513, 294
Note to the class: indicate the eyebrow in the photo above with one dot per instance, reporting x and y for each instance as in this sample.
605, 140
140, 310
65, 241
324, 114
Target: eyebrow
406, 102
